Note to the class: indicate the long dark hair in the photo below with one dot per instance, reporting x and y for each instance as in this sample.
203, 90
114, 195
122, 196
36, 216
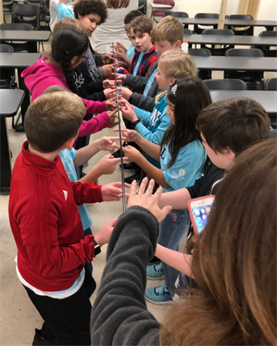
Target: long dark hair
234, 262
67, 43
189, 95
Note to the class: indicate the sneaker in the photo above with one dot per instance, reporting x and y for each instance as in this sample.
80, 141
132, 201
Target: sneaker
127, 167
158, 295
129, 180
155, 272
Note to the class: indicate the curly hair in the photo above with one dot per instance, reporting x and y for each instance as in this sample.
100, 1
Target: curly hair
66, 44
86, 7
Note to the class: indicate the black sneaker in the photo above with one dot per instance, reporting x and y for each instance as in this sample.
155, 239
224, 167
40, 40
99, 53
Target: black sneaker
127, 166
129, 180
19, 128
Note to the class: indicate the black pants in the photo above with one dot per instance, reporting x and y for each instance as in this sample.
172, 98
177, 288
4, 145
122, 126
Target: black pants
66, 321
26, 101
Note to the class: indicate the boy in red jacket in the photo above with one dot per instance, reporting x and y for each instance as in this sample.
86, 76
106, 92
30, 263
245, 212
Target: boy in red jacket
52, 248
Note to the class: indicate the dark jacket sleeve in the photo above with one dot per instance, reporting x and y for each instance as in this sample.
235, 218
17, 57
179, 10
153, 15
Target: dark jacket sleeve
98, 59
119, 314
138, 82
203, 185
146, 103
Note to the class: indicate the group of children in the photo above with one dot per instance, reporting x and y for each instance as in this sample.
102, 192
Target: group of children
183, 142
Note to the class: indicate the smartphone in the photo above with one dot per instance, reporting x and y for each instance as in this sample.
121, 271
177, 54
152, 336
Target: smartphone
199, 209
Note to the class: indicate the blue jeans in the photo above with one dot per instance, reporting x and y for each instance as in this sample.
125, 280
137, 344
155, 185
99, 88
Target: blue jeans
88, 265
171, 230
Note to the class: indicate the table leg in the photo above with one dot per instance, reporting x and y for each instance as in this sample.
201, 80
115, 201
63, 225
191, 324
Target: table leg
5, 161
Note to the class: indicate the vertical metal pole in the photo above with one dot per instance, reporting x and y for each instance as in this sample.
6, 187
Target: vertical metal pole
120, 135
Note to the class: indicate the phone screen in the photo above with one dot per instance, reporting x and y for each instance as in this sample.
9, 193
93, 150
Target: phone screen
199, 211
200, 215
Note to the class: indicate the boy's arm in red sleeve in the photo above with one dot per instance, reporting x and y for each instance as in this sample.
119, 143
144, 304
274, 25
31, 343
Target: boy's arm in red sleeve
86, 192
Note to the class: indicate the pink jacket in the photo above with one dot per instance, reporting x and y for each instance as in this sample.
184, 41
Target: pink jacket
42, 75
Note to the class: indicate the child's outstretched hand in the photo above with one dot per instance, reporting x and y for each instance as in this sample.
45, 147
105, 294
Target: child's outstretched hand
125, 92
107, 58
144, 198
104, 233
107, 164
107, 69
110, 104
108, 143
112, 191
109, 93
132, 153
120, 77
129, 135
128, 112
107, 83
120, 46
120, 53
113, 117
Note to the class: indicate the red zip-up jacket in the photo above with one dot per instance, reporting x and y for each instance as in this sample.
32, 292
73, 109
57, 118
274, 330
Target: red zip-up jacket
45, 222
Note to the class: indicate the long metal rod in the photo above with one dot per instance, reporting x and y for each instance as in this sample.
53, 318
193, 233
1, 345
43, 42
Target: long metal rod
120, 135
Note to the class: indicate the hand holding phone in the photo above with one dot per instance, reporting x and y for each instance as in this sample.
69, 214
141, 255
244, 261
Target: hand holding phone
199, 209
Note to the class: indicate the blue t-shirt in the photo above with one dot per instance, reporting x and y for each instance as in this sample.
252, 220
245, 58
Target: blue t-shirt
149, 82
154, 124
67, 158
130, 51
186, 168
64, 10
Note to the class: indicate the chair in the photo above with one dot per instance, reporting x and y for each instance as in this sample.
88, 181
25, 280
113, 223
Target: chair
187, 31
253, 79
240, 29
7, 75
266, 49
44, 16
25, 13
226, 84
142, 6
271, 84
203, 74
28, 46
177, 15
199, 28
223, 48
7, 8
157, 11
